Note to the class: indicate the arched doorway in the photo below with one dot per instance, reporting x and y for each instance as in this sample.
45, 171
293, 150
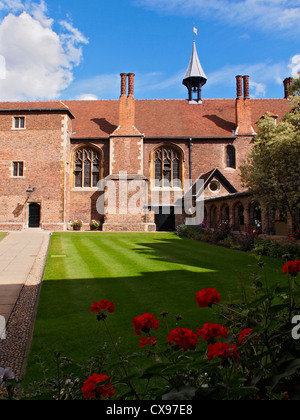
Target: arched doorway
225, 213
213, 217
34, 215
239, 217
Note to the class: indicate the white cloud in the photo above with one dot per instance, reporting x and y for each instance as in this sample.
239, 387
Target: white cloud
274, 15
294, 65
37, 62
257, 90
262, 76
87, 97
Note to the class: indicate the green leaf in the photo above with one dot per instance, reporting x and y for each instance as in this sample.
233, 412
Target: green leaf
183, 394
291, 369
155, 370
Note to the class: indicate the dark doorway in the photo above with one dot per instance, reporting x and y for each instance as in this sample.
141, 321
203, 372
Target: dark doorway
34, 215
165, 222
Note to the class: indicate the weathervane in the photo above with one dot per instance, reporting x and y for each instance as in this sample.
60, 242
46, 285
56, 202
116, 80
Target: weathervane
195, 31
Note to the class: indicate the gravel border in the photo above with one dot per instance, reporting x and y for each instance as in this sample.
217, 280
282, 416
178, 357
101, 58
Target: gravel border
15, 348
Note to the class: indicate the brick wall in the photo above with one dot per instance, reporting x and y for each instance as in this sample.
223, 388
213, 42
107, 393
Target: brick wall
42, 148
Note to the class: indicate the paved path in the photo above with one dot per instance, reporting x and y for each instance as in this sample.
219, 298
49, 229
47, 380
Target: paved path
18, 253
22, 261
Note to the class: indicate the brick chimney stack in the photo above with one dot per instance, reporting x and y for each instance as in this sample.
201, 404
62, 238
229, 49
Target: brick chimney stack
130, 84
243, 107
123, 84
126, 170
246, 87
126, 142
127, 107
239, 86
287, 83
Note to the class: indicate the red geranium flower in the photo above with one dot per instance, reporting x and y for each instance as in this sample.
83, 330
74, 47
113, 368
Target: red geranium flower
291, 267
222, 350
90, 390
103, 305
186, 339
148, 341
244, 333
143, 323
207, 297
211, 331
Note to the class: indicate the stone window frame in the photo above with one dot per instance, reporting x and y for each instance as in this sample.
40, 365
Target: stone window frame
20, 125
179, 150
93, 148
15, 164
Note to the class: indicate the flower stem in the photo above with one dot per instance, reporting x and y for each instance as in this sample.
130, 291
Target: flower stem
121, 358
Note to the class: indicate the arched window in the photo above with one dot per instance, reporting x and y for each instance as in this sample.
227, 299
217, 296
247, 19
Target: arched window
87, 162
167, 160
230, 157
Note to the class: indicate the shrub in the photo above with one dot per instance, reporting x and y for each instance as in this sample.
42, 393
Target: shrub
276, 250
221, 232
190, 231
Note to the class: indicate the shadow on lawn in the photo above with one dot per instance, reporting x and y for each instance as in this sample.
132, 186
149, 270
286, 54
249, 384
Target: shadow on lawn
198, 254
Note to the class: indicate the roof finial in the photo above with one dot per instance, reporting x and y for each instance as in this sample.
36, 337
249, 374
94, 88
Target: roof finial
194, 77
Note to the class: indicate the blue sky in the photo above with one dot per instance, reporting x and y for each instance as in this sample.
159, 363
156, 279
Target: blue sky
66, 49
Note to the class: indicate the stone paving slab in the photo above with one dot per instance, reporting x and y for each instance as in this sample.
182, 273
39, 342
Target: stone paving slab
22, 260
9, 293
18, 252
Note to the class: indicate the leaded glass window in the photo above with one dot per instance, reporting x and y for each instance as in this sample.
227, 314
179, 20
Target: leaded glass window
167, 167
230, 157
87, 167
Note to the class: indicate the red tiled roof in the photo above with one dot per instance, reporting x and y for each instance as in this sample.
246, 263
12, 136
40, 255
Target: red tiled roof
169, 118
156, 118
40, 106
94, 119
32, 106
260, 107
214, 118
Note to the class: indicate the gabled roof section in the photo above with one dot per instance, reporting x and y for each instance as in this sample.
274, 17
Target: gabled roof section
208, 177
194, 69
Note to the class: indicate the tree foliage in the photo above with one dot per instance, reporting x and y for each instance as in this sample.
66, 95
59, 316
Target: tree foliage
272, 171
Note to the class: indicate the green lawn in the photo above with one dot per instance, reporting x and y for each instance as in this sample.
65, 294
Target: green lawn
139, 273
2, 235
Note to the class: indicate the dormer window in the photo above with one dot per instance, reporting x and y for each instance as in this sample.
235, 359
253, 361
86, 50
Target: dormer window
275, 117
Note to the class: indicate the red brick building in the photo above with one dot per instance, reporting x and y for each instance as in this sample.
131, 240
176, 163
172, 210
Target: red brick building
131, 159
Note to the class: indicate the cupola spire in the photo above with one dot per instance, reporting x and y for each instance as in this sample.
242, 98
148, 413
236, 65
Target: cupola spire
195, 77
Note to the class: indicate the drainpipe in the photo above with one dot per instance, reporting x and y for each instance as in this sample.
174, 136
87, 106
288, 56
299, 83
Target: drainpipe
190, 159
